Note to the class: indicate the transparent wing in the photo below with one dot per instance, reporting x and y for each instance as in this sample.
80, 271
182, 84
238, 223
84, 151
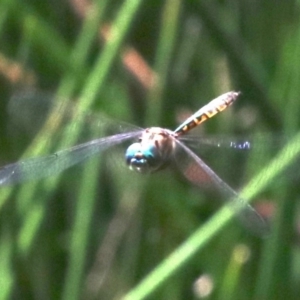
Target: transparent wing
196, 171
258, 141
45, 166
29, 110
231, 155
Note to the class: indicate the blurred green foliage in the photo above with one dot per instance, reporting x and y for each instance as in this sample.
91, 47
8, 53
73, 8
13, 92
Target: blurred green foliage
98, 231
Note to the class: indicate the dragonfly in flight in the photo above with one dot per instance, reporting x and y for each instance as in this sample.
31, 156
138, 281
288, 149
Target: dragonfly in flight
154, 149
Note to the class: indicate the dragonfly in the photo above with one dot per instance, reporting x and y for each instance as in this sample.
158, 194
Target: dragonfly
153, 149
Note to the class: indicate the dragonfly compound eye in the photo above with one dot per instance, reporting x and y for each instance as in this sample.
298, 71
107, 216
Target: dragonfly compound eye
141, 159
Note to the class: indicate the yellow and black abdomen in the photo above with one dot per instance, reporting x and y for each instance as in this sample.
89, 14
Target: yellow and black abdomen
206, 112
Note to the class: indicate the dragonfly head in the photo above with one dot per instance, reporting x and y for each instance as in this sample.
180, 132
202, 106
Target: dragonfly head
143, 159
153, 152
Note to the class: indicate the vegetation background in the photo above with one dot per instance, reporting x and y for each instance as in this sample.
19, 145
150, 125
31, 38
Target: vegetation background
98, 231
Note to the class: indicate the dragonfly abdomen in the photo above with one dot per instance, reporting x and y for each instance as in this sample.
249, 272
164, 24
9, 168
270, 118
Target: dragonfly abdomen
208, 111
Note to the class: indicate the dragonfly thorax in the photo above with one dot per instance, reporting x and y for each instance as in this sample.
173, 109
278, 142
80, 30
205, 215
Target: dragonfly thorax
153, 151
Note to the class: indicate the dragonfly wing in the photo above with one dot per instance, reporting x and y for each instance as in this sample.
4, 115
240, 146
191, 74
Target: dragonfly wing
65, 115
45, 166
259, 141
231, 155
196, 171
